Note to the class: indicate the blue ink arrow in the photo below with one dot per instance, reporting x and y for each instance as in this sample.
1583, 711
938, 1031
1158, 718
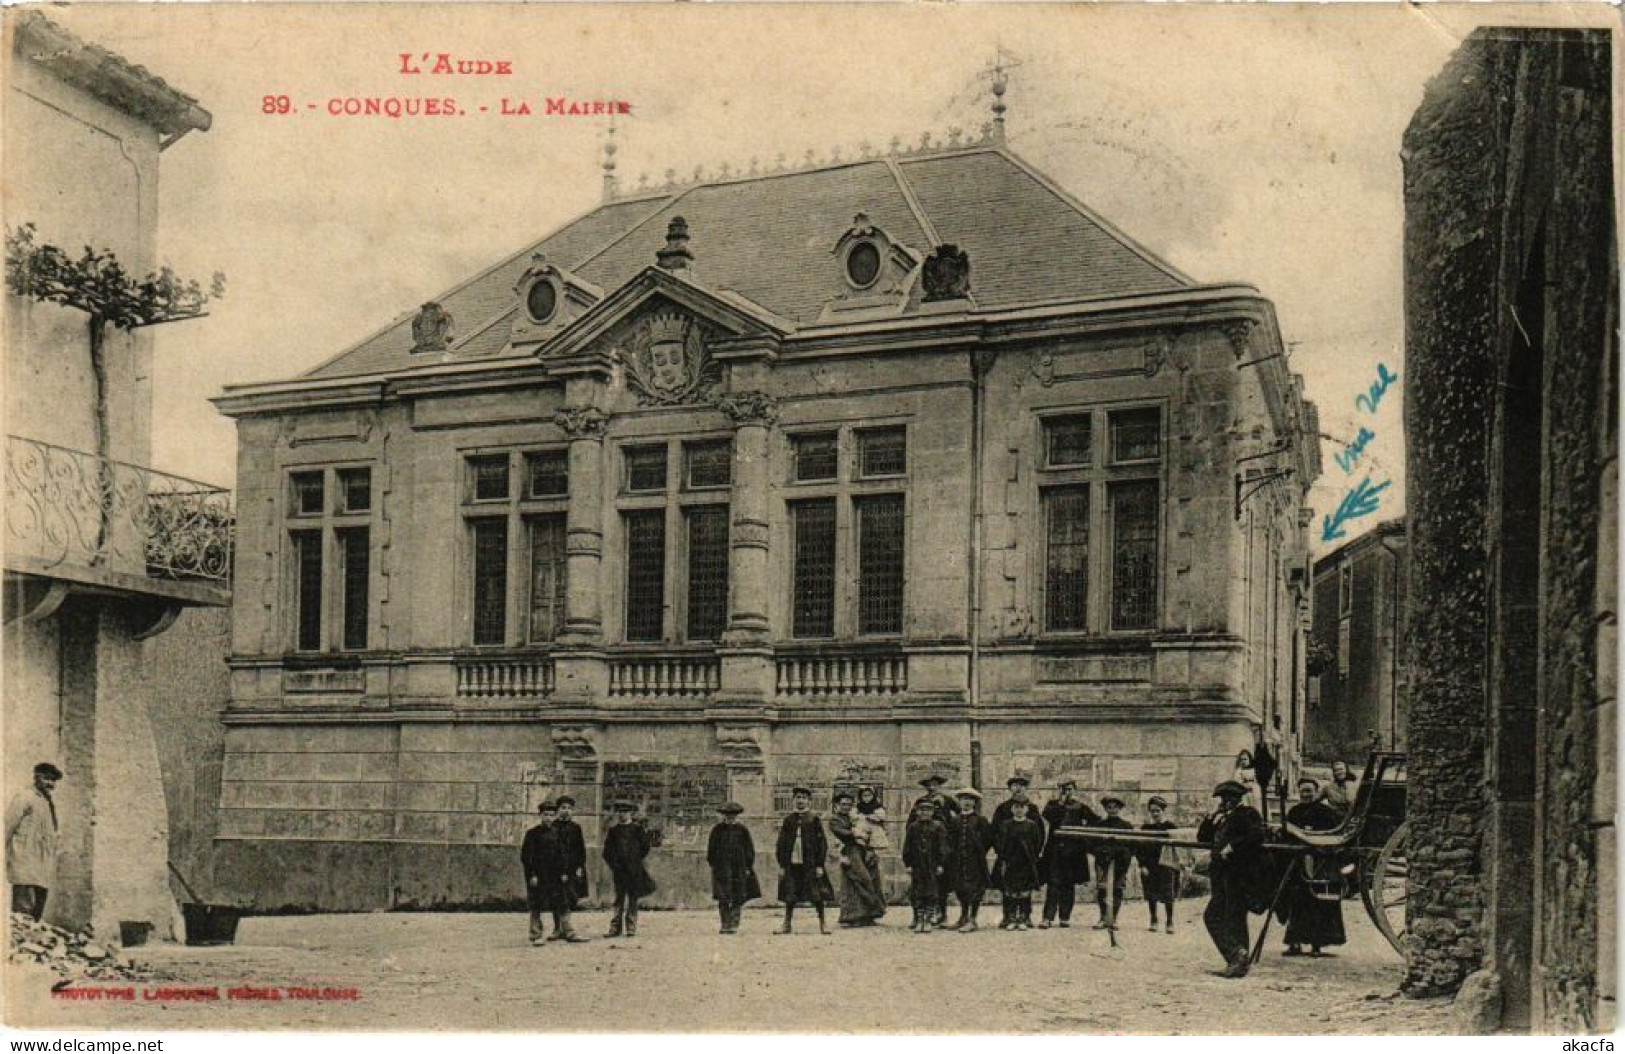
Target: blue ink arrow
1361, 501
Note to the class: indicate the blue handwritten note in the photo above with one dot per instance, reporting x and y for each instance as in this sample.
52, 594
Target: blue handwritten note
1363, 498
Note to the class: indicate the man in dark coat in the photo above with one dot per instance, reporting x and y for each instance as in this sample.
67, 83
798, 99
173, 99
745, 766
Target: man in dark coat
1019, 842
1111, 864
545, 878
1235, 833
626, 845
946, 810
732, 856
801, 852
1017, 786
1066, 860
1159, 877
925, 854
573, 858
1310, 919
970, 836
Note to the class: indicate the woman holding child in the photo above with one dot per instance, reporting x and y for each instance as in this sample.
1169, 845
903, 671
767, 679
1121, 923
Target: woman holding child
860, 835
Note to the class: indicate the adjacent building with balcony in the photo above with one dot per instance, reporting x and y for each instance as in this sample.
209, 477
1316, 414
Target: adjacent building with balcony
101, 552
904, 465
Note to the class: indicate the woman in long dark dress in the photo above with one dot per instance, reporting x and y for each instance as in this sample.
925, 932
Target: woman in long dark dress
861, 902
1310, 919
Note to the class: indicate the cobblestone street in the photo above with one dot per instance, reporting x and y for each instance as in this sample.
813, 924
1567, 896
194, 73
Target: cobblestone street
476, 972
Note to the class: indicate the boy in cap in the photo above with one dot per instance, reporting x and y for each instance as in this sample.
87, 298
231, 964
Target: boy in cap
732, 857
1235, 831
1111, 864
544, 875
925, 854
626, 844
970, 836
1020, 845
946, 810
1066, 860
1002, 813
801, 851
1159, 878
573, 860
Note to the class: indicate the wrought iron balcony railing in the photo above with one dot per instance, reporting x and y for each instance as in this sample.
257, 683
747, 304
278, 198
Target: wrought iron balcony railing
65, 506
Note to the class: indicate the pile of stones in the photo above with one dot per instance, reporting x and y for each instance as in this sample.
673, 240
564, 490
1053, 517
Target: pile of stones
77, 956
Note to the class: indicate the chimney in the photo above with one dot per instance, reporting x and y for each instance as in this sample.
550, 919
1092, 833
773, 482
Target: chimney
676, 255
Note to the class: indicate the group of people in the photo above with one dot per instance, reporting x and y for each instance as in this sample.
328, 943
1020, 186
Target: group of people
953, 851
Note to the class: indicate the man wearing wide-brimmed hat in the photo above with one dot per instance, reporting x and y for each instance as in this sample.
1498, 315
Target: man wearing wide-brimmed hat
1235, 832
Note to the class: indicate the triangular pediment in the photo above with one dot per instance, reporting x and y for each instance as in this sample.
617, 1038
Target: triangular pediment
668, 336
726, 314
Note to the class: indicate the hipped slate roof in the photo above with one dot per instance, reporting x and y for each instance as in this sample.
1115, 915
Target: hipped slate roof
769, 238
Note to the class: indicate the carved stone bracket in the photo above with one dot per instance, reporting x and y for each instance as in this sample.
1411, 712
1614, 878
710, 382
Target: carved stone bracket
582, 422
744, 746
750, 408
1240, 333
575, 743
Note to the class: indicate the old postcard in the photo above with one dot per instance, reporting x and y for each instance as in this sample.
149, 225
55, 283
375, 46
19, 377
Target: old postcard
643, 518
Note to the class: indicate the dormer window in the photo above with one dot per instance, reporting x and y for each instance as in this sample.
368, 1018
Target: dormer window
863, 264
541, 301
548, 299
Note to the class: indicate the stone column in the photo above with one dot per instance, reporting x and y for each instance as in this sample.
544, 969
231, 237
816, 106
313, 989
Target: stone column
747, 656
579, 669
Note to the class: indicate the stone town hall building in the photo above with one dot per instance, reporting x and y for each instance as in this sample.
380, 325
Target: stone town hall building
883, 467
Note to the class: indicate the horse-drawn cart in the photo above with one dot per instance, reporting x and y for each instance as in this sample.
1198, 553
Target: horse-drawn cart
1370, 843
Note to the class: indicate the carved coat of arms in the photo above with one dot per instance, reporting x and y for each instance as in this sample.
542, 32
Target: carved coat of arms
666, 360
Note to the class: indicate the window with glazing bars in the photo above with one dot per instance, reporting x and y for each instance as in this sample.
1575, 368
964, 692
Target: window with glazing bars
645, 574
707, 571
307, 493
646, 468
490, 539
549, 472
882, 452
355, 489
356, 553
815, 456
1068, 441
488, 478
1134, 554
1136, 434
813, 587
880, 563
307, 558
1066, 558
547, 577
708, 464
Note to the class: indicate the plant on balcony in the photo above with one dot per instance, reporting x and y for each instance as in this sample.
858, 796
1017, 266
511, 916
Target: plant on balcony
97, 284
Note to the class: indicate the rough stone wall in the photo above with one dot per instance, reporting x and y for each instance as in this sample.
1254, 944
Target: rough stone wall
1450, 270
1511, 287
1577, 735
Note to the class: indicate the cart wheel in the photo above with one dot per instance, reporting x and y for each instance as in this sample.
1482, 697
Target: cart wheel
1385, 885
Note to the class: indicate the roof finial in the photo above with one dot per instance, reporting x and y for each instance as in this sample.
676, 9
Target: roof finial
1001, 84
609, 162
675, 255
